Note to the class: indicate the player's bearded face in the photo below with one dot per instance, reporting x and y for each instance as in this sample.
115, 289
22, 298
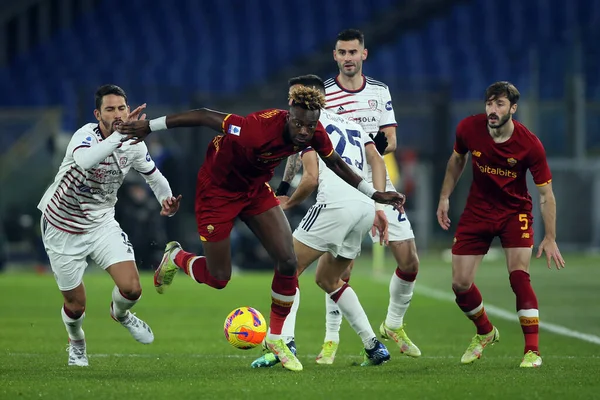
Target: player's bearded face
114, 109
498, 111
349, 57
302, 124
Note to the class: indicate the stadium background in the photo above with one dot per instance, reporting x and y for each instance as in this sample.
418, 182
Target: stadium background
437, 56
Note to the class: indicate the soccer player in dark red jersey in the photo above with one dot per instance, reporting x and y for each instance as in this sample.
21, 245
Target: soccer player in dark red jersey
502, 150
233, 181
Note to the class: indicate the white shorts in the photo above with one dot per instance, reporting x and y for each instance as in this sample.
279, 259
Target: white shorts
337, 228
399, 226
105, 245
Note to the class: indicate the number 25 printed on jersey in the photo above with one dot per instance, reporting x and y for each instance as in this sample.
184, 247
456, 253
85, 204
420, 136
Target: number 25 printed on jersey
351, 136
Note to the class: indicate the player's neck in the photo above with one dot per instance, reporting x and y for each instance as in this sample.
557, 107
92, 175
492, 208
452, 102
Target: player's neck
503, 133
351, 82
103, 131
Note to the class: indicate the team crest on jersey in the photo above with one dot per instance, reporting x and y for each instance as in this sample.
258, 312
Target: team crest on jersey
99, 174
123, 161
511, 161
373, 104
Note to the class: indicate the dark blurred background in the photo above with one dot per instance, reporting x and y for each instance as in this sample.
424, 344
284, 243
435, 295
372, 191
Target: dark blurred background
437, 56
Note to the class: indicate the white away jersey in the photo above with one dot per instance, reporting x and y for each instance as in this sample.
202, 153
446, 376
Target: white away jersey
80, 200
349, 141
370, 106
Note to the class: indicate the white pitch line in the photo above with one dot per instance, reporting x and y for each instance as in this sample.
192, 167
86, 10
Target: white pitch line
504, 314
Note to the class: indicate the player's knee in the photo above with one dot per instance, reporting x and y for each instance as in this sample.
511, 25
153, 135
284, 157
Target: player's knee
411, 265
131, 290
461, 285
76, 308
288, 266
222, 275
326, 283
220, 284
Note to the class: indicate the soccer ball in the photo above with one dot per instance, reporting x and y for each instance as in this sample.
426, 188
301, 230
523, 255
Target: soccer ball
245, 328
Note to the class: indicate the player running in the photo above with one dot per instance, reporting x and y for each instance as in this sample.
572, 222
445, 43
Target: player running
502, 150
332, 230
78, 217
368, 102
232, 182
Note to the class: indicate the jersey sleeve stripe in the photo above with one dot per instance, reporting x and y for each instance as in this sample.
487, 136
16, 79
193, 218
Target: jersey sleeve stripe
460, 154
79, 147
224, 121
543, 183
330, 153
387, 125
370, 142
149, 172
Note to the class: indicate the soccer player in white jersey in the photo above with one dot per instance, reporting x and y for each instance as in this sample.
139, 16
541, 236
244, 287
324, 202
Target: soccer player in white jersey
78, 217
368, 102
332, 230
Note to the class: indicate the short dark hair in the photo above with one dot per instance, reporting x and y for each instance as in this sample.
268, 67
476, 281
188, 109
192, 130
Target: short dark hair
503, 88
309, 80
105, 90
348, 35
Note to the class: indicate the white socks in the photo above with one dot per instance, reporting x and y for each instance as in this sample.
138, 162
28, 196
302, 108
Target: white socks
73, 325
353, 312
333, 320
120, 304
289, 325
401, 293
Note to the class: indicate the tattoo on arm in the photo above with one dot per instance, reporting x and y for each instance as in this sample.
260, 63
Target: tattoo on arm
292, 166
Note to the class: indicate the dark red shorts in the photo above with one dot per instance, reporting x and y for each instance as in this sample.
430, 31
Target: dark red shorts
217, 209
474, 235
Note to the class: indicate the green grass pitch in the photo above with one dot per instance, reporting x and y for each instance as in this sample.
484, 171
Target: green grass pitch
190, 358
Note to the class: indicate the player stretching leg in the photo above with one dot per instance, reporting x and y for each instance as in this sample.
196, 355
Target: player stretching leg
499, 204
333, 228
368, 102
232, 182
78, 218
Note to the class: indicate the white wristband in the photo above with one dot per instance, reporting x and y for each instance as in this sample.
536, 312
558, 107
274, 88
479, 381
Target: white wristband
379, 207
158, 124
366, 189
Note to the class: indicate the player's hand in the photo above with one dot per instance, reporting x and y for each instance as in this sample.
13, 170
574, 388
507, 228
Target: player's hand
283, 200
394, 198
170, 206
380, 140
442, 213
135, 114
380, 224
136, 130
552, 253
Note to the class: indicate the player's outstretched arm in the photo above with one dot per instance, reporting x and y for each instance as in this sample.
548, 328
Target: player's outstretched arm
548, 244
139, 130
309, 182
454, 169
341, 169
